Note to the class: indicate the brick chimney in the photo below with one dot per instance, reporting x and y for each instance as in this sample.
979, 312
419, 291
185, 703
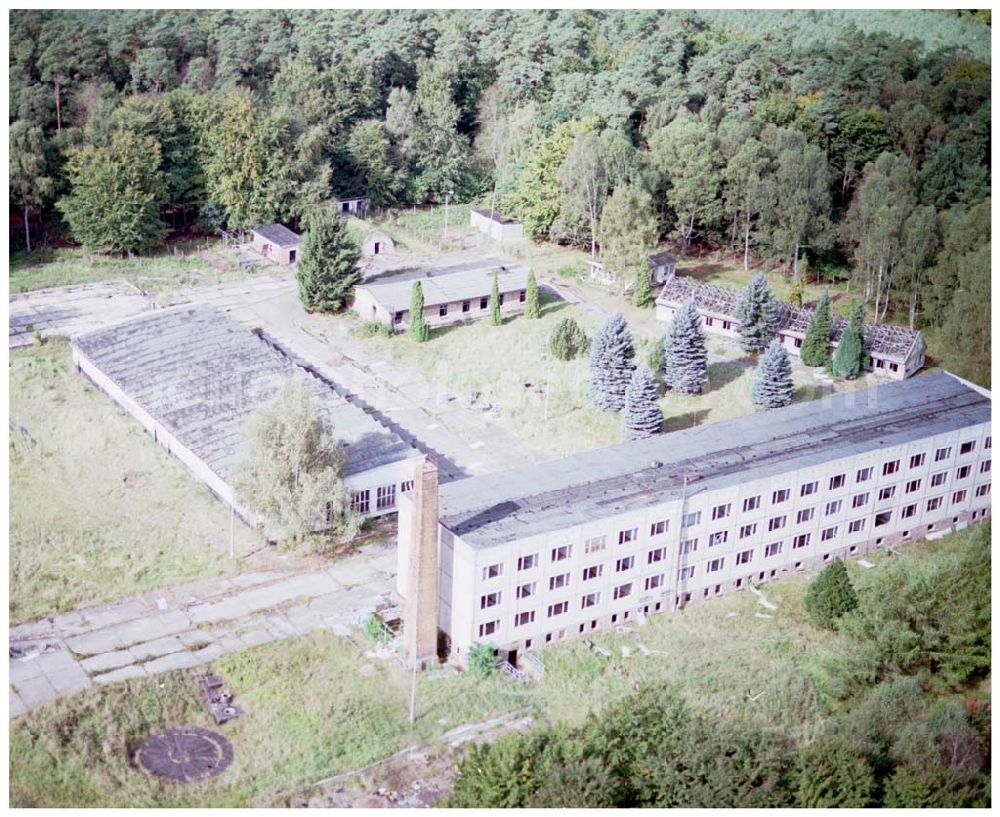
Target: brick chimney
420, 614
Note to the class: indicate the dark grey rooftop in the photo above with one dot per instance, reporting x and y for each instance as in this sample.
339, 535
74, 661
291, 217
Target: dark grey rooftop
493, 215
279, 234
662, 258
881, 338
498, 508
445, 285
202, 374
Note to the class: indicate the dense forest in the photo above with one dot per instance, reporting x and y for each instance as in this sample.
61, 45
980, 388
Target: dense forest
841, 143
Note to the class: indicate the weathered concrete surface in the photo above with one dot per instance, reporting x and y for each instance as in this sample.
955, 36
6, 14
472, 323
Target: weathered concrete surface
190, 625
67, 310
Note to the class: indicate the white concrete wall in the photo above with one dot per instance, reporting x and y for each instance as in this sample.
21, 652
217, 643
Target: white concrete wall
498, 232
368, 308
468, 584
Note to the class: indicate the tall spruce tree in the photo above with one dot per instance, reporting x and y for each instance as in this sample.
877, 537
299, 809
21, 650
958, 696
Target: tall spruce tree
830, 595
328, 270
532, 308
611, 366
419, 330
850, 360
642, 296
685, 356
496, 316
642, 416
772, 383
757, 315
816, 345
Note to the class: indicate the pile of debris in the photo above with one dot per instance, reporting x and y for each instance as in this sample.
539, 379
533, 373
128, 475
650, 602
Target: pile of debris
218, 699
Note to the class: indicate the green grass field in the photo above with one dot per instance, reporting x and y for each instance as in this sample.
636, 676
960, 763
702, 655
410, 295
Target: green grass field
507, 366
160, 271
317, 706
98, 511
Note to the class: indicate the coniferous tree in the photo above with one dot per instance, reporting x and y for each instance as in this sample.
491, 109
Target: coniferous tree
496, 316
757, 315
531, 305
850, 360
568, 340
642, 297
830, 595
642, 416
419, 330
685, 356
611, 366
816, 345
328, 269
772, 384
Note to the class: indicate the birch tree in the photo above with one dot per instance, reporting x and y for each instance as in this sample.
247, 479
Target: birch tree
874, 227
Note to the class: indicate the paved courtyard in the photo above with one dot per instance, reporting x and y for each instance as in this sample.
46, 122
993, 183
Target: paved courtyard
67, 310
192, 624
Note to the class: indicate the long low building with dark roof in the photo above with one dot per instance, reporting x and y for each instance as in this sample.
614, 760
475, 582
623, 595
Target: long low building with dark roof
560, 548
896, 352
193, 377
452, 294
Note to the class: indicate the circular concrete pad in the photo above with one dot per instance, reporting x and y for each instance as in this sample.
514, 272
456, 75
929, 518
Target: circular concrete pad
184, 754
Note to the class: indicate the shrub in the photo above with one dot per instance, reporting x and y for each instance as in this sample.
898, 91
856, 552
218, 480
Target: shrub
830, 595
376, 630
482, 660
568, 340
830, 775
370, 329
419, 330
532, 309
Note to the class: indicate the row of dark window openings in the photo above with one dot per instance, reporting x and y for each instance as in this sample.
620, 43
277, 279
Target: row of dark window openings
524, 618
484, 303
804, 515
385, 497
797, 343
491, 627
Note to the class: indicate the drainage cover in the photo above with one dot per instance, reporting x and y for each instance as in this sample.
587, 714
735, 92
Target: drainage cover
184, 754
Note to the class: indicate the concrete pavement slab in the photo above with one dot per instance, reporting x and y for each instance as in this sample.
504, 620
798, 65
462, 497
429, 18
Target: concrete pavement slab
123, 674
208, 653
35, 691
254, 638
69, 681
177, 660
17, 706
156, 648
21, 670
105, 661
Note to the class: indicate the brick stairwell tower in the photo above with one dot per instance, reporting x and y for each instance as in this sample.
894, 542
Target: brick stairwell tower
420, 614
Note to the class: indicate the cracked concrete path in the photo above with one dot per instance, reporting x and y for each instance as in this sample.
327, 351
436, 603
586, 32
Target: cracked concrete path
191, 624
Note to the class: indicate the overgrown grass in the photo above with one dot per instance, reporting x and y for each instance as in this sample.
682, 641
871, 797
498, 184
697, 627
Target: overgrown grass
98, 511
507, 366
315, 707
318, 706
162, 270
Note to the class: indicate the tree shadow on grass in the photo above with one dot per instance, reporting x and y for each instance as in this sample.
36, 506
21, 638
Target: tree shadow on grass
689, 419
724, 372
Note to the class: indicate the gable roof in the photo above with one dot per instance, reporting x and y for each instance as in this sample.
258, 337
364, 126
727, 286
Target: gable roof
201, 375
494, 509
880, 338
665, 258
279, 234
445, 285
493, 215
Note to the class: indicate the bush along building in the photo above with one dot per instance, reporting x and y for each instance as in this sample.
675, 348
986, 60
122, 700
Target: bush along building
558, 549
896, 352
462, 292
193, 377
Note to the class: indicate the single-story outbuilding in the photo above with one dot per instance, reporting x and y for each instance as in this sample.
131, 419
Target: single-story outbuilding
377, 243
498, 227
451, 294
353, 207
896, 351
662, 266
277, 243
192, 377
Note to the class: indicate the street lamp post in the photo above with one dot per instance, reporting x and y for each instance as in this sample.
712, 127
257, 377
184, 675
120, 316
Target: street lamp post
444, 236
